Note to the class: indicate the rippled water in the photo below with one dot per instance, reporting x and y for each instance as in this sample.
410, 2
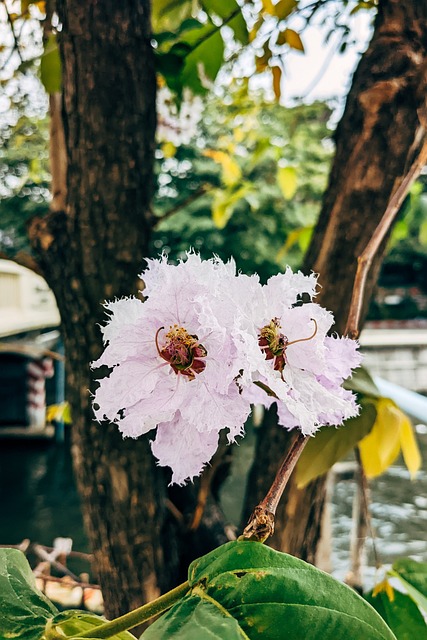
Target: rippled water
38, 500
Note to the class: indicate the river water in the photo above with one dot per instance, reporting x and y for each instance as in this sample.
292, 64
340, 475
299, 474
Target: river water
38, 500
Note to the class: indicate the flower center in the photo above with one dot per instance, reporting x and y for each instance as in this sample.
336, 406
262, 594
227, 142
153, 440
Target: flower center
183, 351
273, 343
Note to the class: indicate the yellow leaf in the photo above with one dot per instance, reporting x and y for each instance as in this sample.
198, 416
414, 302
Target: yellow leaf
287, 181
293, 39
284, 7
223, 204
410, 451
277, 75
60, 412
231, 172
168, 149
384, 586
380, 448
268, 6
239, 135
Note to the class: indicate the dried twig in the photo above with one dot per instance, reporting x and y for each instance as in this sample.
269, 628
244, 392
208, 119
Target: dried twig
364, 261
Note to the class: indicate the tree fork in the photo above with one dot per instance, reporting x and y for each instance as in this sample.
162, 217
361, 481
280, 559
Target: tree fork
378, 140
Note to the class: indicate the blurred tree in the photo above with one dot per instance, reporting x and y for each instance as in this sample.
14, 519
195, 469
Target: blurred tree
234, 181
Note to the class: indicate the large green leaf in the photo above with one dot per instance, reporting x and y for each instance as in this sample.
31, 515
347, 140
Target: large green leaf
413, 576
194, 618
73, 623
401, 614
272, 596
330, 445
24, 610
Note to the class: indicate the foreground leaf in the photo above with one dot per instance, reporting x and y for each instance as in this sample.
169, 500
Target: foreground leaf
194, 618
24, 610
73, 623
401, 614
271, 596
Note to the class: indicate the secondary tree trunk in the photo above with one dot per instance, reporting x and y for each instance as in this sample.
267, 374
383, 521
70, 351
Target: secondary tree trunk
379, 137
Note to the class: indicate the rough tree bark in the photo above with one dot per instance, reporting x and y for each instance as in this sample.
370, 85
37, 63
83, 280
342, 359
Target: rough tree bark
379, 137
90, 248
92, 251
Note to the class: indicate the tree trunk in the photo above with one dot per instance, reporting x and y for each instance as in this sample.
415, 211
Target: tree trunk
378, 139
92, 251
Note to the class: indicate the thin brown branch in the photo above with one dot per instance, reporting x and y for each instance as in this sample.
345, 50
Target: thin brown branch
261, 523
364, 261
184, 203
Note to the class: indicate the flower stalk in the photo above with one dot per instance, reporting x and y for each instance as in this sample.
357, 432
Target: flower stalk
138, 616
261, 523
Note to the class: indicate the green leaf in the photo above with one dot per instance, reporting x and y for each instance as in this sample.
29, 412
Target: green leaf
167, 14
225, 9
361, 381
194, 618
422, 234
50, 66
331, 445
202, 63
72, 623
275, 596
413, 576
24, 610
401, 614
287, 181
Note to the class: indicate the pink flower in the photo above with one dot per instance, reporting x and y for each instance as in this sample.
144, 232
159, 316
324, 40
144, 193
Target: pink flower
304, 368
206, 344
175, 361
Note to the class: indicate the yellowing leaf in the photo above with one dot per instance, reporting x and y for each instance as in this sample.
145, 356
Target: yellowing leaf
239, 135
301, 235
292, 38
59, 412
384, 586
380, 448
223, 204
410, 451
284, 7
330, 445
231, 172
287, 181
168, 149
277, 75
268, 7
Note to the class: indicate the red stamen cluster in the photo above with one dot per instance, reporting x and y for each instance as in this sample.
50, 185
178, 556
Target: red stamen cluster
273, 344
183, 352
